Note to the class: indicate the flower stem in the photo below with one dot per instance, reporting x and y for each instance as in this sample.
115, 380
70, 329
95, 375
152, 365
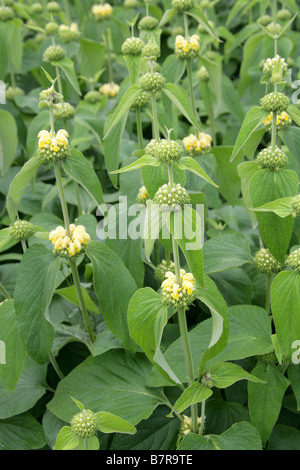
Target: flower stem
62, 198
268, 292
109, 64
155, 118
210, 113
55, 366
203, 404
139, 128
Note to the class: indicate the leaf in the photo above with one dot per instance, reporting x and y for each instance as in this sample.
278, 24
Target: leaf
21, 432
227, 176
67, 67
8, 141
195, 393
127, 100
108, 423
252, 121
114, 287
35, 286
281, 207
265, 400
15, 354
178, 98
225, 374
19, 184
167, 16
173, 69
118, 384
146, 160
241, 436
91, 57
226, 252
66, 439
199, 16
294, 113
190, 164
112, 145
147, 317
69, 293
134, 64
80, 169
285, 300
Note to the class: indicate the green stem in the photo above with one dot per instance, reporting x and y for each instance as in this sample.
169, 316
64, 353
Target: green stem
62, 198
210, 113
268, 292
203, 404
77, 193
109, 63
82, 304
86, 443
274, 130
139, 129
24, 246
4, 291
55, 366
11, 69
274, 10
67, 12
155, 118
52, 128
191, 88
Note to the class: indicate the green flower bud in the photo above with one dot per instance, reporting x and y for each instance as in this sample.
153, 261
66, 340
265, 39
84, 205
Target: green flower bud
39, 38
53, 7
21, 230
142, 196
49, 95
142, 100
151, 51
293, 261
207, 381
168, 151
284, 15
203, 74
68, 33
162, 269
84, 424
266, 263
269, 358
11, 93
51, 28
148, 23
296, 204
63, 111
183, 5
272, 159
275, 102
265, 20
132, 46
171, 197
93, 97
130, 3
36, 8
274, 28
152, 82
54, 54
186, 428
6, 14
270, 64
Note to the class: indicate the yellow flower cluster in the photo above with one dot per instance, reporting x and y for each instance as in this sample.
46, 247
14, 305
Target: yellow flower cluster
54, 142
283, 120
178, 294
67, 33
200, 144
187, 48
110, 89
102, 11
142, 195
69, 246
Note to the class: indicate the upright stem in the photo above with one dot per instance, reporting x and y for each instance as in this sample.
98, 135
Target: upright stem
109, 64
268, 292
24, 246
210, 113
155, 118
274, 10
55, 366
67, 12
202, 417
274, 130
191, 88
139, 128
62, 198
86, 443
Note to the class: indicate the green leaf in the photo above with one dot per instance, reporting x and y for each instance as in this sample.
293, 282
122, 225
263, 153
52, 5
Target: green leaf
108, 423
195, 393
199, 16
146, 160
6, 241
167, 17
117, 380
267, 186
8, 141
21, 432
69, 293
173, 69
114, 287
78, 403
224, 374
66, 439
134, 63
178, 98
190, 164
15, 354
281, 207
226, 252
147, 317
246, 170
285, 299
265, 400
241, 436
227, 176
112, 145
252, 121
91, 57
294, 113
127, 100
19, 184
35, 286
67, 66
80, 169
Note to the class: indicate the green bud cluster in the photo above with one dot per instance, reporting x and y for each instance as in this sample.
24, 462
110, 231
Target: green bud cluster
21, 230
296, 204
275, 102
84, 424
183, 5
274, 28
186, 428
203, 74
36, 8
266, 263
53, 7
272, 159
148, 23
54, 54
270, 64
142, 100
162, 269
132, 46
284, 14
151, 51
293, 260
50, 95
207, 380
6, 14
11, 93
152, 82
168, 151
63, 111
265, 20
130, 3
269, 358
48, 155
51, 28
171, 197
93, 97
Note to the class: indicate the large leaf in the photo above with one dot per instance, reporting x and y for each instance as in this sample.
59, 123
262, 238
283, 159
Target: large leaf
19, 184
199, 16
8, 140
226, 252
91, 57
35, 286
190, 164
21, 432
117, 382
285, 299
178, 98
114, 287
109, 423
145, 160
227, 175
80, 169
224, 374
67, 66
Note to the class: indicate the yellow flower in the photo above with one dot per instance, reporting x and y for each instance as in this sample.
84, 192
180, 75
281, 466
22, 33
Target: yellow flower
66, 246
53, 142
110, 89
102, 11
200, 144
283, 120
178, 294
